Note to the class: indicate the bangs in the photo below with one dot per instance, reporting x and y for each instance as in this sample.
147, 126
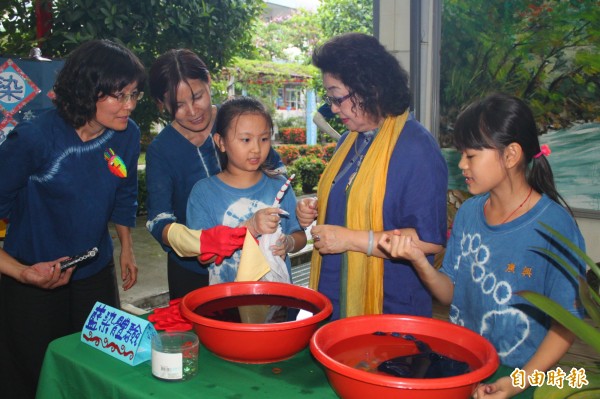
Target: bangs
472, 131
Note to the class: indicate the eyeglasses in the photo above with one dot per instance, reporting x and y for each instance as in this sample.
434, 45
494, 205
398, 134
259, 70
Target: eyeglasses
337, 101
124, 97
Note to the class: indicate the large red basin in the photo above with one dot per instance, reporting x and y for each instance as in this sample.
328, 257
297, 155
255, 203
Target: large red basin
351, 382
254, 343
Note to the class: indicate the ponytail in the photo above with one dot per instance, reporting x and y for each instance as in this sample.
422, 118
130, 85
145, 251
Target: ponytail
541, 178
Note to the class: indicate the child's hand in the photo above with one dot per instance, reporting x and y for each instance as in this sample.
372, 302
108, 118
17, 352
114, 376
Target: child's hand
500, 389
401, 246
306, 211
283, 246
264, 221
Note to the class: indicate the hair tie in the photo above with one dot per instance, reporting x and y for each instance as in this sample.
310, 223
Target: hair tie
544, 150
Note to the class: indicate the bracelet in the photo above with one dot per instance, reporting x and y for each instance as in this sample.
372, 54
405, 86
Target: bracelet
370, 246
289, 245
251, 224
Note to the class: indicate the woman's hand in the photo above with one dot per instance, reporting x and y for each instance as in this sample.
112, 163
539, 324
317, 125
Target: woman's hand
330, 239
264, 221
46, 274
129, 268
306, 211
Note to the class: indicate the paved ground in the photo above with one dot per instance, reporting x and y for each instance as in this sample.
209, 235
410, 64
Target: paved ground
152, 269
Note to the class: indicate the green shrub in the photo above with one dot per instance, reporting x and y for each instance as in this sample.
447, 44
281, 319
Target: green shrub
285, 122
306, 149
308, 171
288, 153
328, 150
293, 135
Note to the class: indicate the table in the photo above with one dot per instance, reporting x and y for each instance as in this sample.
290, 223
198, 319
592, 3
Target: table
73, 369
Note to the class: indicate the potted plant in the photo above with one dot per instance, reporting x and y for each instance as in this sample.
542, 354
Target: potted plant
588, 333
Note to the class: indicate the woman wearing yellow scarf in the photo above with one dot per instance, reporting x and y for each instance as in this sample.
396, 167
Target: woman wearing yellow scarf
387, 173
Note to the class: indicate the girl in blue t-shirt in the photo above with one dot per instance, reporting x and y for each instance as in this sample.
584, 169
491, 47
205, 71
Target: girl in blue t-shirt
244, 192
491, 253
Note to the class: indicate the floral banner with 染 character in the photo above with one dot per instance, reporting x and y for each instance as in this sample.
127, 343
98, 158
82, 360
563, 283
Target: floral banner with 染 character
25, 90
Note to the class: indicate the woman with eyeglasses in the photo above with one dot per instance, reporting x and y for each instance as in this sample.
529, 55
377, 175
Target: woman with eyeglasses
183, 153
387, 174
64, 176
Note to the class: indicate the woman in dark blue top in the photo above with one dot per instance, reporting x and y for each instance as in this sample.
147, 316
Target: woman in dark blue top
65, 175
182, 154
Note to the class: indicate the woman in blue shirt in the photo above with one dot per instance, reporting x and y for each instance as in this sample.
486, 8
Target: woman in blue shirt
65, 175
182, 154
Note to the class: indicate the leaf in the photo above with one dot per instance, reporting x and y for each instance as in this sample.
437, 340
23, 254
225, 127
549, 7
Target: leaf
583, 330
573, 248
576, 250
590, 391
590, 305
558, 259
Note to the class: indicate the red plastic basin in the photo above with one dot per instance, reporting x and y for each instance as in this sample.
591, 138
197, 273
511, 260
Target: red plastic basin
254, 343
351, 382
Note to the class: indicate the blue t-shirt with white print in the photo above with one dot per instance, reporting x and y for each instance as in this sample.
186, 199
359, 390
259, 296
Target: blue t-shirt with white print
173, 166
212, 203
490, 264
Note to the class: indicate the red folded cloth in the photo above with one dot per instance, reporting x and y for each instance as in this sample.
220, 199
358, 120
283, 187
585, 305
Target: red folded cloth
169, 318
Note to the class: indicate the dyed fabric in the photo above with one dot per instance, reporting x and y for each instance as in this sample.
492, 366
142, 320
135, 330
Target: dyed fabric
60, 193
233, 207
489, 264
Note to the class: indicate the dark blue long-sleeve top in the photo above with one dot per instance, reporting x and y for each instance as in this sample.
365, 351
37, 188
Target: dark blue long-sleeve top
60, 193
173, 166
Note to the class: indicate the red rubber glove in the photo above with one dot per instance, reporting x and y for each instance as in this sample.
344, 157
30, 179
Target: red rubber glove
169, 318
220, 241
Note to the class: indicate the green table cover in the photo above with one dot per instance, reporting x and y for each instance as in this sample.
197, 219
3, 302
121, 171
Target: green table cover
73, 369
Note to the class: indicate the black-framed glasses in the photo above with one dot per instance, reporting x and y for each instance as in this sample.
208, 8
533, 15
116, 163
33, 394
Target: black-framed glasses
337, 101
123, 98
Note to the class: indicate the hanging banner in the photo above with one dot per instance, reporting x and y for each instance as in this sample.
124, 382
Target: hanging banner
16, 88
25, 90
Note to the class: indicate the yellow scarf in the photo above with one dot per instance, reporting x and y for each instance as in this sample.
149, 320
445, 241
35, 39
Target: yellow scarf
362, 285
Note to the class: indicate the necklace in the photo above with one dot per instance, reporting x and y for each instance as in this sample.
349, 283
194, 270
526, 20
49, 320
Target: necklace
513, 212
368, 136
356, 159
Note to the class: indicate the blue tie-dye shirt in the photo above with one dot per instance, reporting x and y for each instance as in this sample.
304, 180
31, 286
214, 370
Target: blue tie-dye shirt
490, 264
173, 166
213, 203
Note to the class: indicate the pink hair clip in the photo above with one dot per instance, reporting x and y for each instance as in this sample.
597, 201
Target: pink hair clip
544, 150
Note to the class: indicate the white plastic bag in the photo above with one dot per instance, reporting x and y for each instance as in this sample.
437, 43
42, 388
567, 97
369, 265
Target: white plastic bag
279, 271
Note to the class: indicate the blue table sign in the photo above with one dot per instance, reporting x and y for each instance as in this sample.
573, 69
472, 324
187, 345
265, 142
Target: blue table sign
119, 334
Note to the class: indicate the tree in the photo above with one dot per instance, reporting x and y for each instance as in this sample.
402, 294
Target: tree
215, 29
300, 31
17, 28
543, 51
343, 16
